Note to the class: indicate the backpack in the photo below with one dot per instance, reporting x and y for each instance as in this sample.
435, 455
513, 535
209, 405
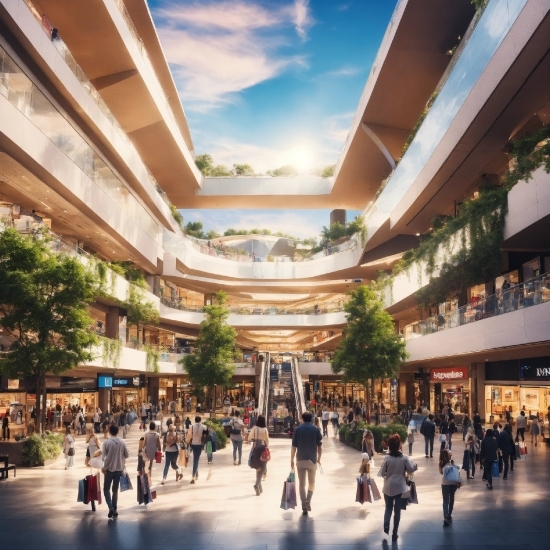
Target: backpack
451, 474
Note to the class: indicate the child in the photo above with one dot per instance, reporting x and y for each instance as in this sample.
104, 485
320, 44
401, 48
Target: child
364, 469
410, 440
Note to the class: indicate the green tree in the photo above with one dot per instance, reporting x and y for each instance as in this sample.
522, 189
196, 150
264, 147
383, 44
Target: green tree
356, 226
176, 214
212, 235
195, 229
204, 163
327, 171
243, 170
210, 365
139, 310
284, 171
220, 171
44, 300
370, 348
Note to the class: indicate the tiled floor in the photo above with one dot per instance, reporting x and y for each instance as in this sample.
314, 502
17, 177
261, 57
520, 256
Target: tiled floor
38, 509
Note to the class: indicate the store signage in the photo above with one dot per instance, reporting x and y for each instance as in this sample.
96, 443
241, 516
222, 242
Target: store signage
449, 373
534, 369
110, 381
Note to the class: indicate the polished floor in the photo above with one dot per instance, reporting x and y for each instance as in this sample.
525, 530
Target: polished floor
38, 509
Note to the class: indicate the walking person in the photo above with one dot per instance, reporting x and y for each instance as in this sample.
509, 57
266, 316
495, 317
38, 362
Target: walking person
97, 421
427, 429
535, 431
123, 422
196, 440
508, 449
472, 447
115, 454
521, 424
466, 423
449, 484
151, 444
307, 448
171, 453
451, 430
68, 448
488, 455
259, 435
335, 418
324, 421
93, 446
236, 436
410, 439
393, 470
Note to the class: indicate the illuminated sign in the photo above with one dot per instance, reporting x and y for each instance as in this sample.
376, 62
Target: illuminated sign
449, 373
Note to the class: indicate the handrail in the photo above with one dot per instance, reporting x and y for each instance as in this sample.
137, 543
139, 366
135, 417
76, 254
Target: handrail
264, 387
529, 293
298, 388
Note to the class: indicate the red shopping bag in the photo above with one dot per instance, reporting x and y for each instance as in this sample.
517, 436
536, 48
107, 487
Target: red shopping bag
158, 457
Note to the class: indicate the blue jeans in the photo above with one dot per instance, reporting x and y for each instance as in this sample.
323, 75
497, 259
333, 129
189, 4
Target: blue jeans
395, 504
237, 448
111, 478
169, 457
429, 440
197, 450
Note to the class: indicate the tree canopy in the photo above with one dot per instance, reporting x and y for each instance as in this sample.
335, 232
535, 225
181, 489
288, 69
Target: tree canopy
282, 172
139, 310
327, 171
370, 347
210, 365
44, 300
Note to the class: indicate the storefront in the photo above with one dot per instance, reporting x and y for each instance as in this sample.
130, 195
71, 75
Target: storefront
517, 385
127, 391
450, 386
13, 401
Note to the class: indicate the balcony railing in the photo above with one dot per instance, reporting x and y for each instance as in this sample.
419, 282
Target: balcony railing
75, 68
229, 254
26, 97
176, 303
530, 293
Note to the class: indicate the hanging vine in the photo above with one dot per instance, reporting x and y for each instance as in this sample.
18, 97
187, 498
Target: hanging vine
112, 351
467, 250
153, 358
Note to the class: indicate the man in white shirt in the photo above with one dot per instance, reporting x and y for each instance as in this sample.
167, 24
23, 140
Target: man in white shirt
97, 421
143, 412
115, 454
194, 438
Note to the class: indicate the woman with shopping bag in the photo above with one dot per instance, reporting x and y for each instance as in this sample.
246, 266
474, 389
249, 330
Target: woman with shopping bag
259, 436
393, 470
450, 482
488, 455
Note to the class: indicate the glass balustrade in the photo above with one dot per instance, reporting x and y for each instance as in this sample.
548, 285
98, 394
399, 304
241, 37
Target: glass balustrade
530, 293
75, 68
29, 100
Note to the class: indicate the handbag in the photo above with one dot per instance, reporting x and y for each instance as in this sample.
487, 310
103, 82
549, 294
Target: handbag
451, 474
360, 491
517, 451
70, 452
96, 462
494, 469
442, 438
266, 455
125, 483
158, 457
374, 489
414, 495
522, 448
80, 496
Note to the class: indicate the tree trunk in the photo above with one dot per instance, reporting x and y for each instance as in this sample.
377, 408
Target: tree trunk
43, 400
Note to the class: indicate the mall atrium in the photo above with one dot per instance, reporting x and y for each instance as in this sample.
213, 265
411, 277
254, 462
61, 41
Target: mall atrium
95, 145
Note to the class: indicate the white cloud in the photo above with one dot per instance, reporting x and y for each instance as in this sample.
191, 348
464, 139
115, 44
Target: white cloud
218, 49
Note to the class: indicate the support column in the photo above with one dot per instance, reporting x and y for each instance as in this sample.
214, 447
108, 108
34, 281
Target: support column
103, 399
115, 324
153, 389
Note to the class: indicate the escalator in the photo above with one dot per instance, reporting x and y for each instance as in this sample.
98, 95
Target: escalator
285, 397
264, 388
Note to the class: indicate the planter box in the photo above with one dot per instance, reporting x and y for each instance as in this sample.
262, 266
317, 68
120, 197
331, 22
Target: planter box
13, 450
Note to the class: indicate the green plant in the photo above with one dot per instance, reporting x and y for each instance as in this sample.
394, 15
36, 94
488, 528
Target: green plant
153, 358
111, 352
353, 436
214, 425
177, 216
419, 122
39, 448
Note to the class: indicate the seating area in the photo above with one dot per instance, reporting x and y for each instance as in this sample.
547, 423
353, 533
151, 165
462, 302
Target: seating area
5, 467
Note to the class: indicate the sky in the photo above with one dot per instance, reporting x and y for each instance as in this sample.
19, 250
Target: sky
270, 83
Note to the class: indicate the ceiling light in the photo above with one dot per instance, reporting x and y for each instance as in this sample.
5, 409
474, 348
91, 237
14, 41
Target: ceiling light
65, 211
418, 234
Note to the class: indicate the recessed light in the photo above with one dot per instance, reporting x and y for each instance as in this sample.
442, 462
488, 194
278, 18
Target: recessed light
418, 234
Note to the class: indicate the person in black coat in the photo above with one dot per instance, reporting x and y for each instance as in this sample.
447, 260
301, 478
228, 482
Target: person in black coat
488, 455
444, 430
507, 448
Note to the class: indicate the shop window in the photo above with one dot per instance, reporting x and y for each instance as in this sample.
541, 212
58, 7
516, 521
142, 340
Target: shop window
531, 269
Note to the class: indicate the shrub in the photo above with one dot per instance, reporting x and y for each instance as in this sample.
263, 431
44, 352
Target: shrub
353, 436
39, 448
215, 426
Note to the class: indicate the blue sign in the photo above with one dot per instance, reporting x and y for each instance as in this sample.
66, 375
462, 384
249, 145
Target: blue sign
104, 381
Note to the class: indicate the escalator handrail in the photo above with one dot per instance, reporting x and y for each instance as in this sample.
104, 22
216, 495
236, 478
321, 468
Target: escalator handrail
298, 388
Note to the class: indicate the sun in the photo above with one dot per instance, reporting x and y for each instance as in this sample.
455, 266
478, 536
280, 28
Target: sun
301, 158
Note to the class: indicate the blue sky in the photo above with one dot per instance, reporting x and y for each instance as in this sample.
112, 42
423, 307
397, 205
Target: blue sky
270, 82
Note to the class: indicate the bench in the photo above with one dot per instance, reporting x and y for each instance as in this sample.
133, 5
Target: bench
4, 471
